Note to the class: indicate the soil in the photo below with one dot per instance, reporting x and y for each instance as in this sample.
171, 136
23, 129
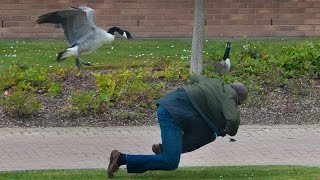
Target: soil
276, 107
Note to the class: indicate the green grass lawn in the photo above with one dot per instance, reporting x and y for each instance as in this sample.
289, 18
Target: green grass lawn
232, 173
137, 52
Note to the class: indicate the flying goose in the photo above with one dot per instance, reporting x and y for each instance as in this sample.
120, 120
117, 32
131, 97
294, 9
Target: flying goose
224, 65
82, 35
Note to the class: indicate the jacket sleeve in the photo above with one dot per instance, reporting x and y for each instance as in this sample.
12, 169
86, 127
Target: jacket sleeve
232, 116
198, 78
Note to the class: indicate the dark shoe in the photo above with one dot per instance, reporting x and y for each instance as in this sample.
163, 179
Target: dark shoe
113, 163
156, 148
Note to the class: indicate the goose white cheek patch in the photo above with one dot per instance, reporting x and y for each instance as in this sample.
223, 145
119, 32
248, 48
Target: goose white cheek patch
124, 34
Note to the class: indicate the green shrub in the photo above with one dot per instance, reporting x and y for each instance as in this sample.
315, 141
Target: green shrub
127, 85
171, 70
32, 79
84, 103
20, 104
106, 85
55, 88
120, 115
37, 76
8, 80
300, 60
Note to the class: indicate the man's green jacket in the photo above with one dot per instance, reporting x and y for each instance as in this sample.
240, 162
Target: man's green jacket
216, 102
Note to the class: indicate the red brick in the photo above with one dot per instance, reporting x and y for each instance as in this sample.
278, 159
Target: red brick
317, 27
5, 2
5, 6
178, 17
291, 16
155, 17
129, 1
288, 33
312, 10
20, 18
286, 28
49, 28
19, 35
255, 5
311, 33
214, 22
306, 27
289, 5
108, 11
166, 23
292, 10
38, 6
18, 24
262, 22
186, 5
5, 18
305, 4
238, 5
246, 11
223, 11
315, 4
311, 21
222, 5
288, 21
225, 17
264, 11
80, 1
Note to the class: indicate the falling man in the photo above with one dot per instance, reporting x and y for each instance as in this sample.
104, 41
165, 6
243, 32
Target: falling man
189, 118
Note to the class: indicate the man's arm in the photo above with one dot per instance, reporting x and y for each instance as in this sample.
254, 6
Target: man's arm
233, 126
232, 116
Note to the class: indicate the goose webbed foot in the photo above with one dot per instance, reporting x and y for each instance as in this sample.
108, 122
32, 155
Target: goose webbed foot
79, 62
86, 63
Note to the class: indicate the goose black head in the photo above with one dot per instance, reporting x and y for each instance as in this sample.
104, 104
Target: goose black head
228, 45
123, 33
127, 35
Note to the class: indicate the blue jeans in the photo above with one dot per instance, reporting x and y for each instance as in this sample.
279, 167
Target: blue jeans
171, 135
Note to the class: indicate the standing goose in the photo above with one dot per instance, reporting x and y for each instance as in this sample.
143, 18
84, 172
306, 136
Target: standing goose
224, 65
82, 35
225, 60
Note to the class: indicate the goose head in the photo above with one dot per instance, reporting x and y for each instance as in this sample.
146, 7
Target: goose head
127, 35
122, 32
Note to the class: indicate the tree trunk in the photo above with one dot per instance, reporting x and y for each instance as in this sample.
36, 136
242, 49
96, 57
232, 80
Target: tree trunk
197, 37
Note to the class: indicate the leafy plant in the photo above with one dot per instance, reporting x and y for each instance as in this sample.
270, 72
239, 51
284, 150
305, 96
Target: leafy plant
84, 103
106, 85
120, 115
55, 88
171, 70
300, 60
8, 80
129, 85
31, 79
20, 104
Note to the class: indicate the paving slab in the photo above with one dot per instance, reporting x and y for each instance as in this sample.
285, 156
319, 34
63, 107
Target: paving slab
90, 147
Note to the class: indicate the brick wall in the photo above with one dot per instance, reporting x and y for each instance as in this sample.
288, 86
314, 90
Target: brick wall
170, 18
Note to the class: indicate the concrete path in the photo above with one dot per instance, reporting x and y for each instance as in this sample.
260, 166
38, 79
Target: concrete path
75, 148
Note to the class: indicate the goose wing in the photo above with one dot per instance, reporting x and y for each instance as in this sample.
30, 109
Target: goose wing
74, 23
89, 13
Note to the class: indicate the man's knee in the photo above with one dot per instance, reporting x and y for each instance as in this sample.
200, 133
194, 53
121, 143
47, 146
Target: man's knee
172, 164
